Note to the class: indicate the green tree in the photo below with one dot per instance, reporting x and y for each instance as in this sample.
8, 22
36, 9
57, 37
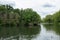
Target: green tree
48, 19
56, 17
9, 15
30, 17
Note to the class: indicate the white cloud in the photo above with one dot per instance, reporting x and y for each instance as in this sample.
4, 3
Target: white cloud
4, 2
51, 6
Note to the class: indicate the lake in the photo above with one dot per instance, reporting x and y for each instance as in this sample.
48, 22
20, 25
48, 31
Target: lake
42, 32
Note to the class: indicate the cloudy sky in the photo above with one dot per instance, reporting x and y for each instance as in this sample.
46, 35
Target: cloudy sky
43, 7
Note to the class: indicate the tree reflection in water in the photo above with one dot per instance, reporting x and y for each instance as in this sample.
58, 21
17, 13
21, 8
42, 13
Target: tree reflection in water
54, 27
19, 33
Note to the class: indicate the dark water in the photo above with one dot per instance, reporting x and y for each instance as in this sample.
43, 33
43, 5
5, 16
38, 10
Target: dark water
42, 32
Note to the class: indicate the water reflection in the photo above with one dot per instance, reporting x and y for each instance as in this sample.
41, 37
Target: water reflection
19, 33
48, 26
54, 27
57, 28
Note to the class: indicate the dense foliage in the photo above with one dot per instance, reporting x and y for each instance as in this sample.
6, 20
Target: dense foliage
48, 19
55, 18
11, 16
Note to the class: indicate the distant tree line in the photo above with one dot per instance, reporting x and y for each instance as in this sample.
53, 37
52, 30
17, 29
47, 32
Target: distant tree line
11, 16
55, 18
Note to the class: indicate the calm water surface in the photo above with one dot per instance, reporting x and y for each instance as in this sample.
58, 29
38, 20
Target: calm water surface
42, 32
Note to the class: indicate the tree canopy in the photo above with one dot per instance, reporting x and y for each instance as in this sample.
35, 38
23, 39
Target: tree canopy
55, 18
9, 15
